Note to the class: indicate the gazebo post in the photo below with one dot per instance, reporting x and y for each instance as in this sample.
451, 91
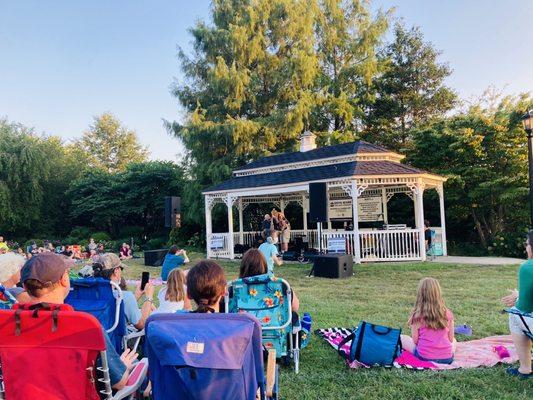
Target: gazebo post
208, 224
384, 203
304, 210
241, 222
440, 191
229, 204
355, 213
419, 194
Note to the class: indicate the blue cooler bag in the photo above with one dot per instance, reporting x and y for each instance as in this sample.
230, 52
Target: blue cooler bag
373, 344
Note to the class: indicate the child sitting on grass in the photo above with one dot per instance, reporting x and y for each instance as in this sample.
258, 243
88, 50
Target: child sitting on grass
432, 326
173, 297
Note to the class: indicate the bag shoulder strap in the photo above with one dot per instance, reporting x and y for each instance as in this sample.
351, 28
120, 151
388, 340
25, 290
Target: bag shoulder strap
359, 345
351, 336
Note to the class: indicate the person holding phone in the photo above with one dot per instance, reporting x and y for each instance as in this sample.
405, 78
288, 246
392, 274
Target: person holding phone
175, 258
109, 266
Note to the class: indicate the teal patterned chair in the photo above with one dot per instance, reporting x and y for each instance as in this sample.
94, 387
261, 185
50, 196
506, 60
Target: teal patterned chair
269, 300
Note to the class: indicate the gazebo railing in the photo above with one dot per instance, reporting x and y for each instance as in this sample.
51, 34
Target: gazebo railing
400, 245
379, 245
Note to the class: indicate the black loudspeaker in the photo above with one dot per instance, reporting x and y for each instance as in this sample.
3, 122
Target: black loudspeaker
154, 258
318, 202
333, 266
172, 212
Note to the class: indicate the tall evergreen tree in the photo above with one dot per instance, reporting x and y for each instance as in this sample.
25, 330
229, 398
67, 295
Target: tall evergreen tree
110, 145
347, 38
410, 92
262, 72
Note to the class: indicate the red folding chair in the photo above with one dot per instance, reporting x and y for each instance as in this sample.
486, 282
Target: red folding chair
49, 352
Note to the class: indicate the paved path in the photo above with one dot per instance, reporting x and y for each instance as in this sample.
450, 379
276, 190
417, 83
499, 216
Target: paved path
478, 260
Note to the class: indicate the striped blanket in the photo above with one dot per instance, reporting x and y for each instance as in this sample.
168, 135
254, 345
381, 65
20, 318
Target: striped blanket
469, 354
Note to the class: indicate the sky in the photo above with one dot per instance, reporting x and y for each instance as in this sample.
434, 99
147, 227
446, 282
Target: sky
63, 62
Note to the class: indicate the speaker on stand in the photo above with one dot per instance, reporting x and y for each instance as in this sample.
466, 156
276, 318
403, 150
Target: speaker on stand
318, 209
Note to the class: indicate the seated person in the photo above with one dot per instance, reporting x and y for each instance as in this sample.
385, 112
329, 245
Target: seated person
175, 258
270, 251
522, 301
125, 252
432, 325
68, 252
3, 245
253, 263
10, 265
109, 266
46, 279
173, 296
206, 285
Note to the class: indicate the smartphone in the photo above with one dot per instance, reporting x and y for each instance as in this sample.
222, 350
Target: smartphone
144, 279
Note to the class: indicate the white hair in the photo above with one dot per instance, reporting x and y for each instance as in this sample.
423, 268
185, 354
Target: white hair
10, 264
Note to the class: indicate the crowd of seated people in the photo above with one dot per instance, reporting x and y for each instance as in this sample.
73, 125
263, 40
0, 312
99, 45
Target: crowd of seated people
44, 276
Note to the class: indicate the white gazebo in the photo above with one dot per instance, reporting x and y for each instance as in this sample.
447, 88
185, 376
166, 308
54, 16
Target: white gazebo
361, 178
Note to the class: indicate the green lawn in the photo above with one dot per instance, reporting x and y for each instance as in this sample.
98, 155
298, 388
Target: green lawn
384, 293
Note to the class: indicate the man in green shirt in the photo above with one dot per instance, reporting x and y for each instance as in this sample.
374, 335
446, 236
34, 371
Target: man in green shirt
522, 301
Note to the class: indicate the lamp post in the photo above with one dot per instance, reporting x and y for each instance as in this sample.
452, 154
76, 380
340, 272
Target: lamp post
527, 120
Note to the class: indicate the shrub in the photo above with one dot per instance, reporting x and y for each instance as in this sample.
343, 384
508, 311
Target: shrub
156, 243
134, 232
508, 244
80, 233
100, 237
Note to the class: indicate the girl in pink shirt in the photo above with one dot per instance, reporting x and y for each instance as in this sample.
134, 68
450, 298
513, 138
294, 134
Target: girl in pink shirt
431, 325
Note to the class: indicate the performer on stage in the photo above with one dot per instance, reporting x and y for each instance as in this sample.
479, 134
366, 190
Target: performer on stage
285, 228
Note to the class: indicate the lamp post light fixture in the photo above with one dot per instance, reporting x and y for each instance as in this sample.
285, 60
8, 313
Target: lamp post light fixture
527, 120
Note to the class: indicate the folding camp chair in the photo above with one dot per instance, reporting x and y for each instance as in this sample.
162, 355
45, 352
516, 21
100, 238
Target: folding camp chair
102, 298
269, 300
50, 352
208, 356
528, 330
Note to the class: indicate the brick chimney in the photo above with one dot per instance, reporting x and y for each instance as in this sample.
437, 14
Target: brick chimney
307, 141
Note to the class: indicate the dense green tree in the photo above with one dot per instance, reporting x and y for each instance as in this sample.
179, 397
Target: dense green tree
134, 197
411, 91
112, 146
24, 168
265, 70
347, 37
483, 152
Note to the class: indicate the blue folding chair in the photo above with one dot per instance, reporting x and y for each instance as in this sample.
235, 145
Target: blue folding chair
208, 356
97, 297
528, 330
269, 299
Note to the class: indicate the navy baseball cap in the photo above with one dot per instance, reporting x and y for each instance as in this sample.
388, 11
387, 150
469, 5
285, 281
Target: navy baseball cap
44, 267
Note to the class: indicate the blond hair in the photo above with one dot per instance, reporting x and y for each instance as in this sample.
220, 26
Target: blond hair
429, 308
175, 285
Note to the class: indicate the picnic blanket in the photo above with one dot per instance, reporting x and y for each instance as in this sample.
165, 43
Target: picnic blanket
468, 354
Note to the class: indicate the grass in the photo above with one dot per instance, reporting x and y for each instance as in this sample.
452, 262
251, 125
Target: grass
384, 293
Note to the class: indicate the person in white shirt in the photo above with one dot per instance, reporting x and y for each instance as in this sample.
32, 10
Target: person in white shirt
173, 297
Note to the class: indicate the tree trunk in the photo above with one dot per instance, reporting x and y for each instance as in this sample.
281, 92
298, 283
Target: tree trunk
479, 228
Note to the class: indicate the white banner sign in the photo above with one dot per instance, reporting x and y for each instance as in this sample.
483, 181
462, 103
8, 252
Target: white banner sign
340, 209
370, 209
217, 242
336, 245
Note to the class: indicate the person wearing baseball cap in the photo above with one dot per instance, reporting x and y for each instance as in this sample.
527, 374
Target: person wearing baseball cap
10, 265
45, 277
109, 266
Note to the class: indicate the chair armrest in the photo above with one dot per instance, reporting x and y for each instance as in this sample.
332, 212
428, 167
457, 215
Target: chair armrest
271, 372
137, 376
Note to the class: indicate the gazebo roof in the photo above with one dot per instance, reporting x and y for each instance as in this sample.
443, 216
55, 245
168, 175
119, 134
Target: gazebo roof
359, 160
313, 174
316, 154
